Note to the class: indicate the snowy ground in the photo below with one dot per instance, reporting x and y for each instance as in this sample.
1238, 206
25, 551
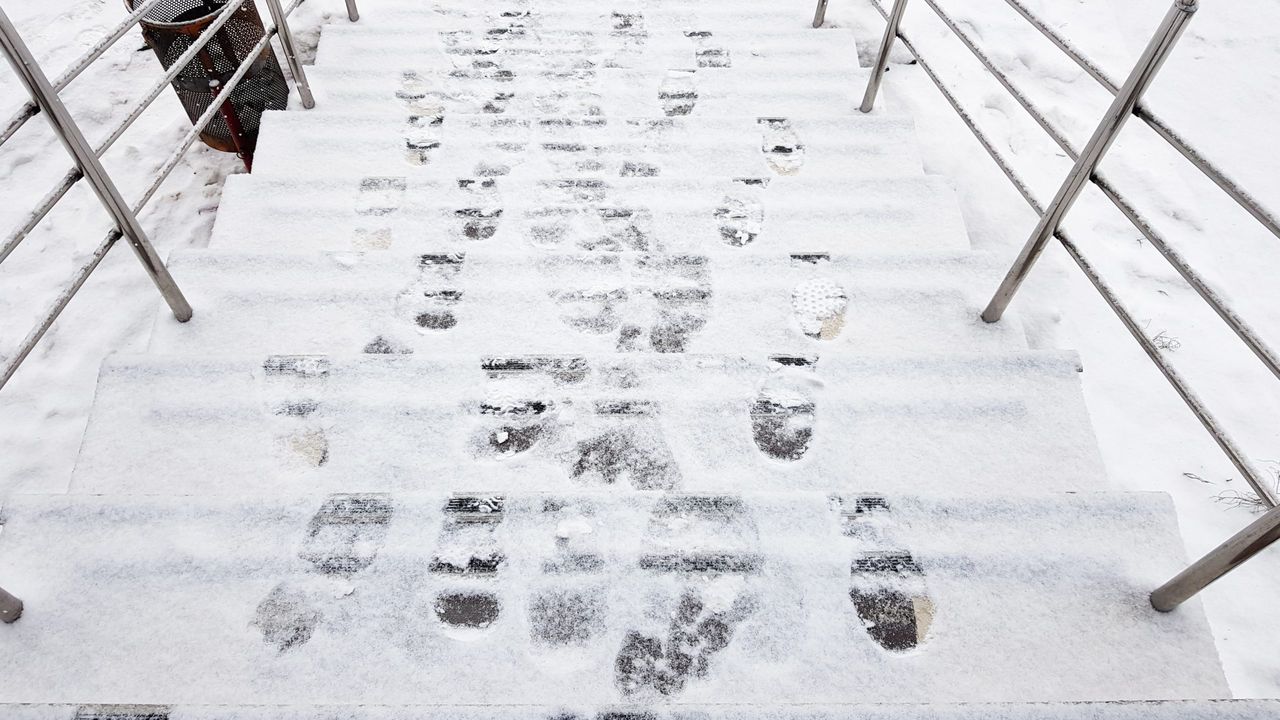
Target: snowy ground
1219, 90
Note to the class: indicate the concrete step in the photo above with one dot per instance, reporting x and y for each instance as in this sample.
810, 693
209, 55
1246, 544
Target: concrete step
1138, 710
978, 423
626, 18
310, 145
519, 49
594, 599
700, 215
488, 302
659, 92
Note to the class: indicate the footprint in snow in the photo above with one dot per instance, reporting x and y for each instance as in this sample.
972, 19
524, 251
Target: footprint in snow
343, 539
678, 93
468, 557
783, 413
820, 305
781, 146
886, 584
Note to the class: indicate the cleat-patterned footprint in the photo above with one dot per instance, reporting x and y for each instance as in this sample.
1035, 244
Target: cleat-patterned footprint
570, 608
343, 538
518, 426
783, 414
654, 302
293, 386
468, 553
480, 220
430, 302
707, 52
781, 146
820, 306
706, 615
678, 93
741, 213
422, 138
380, 196
628, 446
345, 535
886, 585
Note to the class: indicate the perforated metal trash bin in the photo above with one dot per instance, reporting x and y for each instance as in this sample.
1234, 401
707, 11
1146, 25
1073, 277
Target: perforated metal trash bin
172, 26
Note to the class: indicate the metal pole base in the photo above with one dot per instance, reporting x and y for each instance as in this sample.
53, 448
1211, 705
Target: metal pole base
10, 607
1221, 560
820, 15
353, 13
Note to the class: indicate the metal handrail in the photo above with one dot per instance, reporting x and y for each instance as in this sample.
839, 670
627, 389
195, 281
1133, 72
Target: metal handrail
29, 109
1219, 177
1127, 103
10, 243
45, 98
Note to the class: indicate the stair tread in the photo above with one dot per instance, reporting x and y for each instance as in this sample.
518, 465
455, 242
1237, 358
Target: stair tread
794, 214
269, 598
987, 422
493, 301
1227, 709
299, 144
610, 92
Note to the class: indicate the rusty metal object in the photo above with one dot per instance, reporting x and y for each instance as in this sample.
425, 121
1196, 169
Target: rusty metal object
172, 26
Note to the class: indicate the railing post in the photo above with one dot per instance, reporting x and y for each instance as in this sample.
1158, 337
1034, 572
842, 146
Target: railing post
820, 14
882, 56
10, 607
1221, 560
291, 53
24, 63
1118, 114
353, 13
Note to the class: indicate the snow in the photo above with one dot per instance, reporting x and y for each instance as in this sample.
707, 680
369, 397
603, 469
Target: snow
1220, 89
131, 578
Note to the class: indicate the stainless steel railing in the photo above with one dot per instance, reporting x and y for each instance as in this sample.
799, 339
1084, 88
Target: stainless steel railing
1128, 97
45, 99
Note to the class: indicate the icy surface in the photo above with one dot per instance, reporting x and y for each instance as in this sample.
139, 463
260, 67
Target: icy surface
1002, 423
710, 213
366, 598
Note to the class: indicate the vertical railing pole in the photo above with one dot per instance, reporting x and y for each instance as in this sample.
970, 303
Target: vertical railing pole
882, 56
1117, 115
1221, 560
820, 14
10, 607
69, 133
353, 13
291, 53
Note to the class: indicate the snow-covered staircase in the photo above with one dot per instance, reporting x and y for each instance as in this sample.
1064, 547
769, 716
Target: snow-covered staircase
593, 357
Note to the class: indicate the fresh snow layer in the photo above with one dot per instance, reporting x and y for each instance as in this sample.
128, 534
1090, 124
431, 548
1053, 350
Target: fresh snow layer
981, 424
497, 302
536, 50
296, 145
703, 214
674, 92
251, 599
1153, 710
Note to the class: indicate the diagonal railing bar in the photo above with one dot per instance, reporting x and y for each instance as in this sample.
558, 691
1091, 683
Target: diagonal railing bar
1241, 327
1238, 193
1252, 475
1263, 532
69, 134
29, 109
16, 236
